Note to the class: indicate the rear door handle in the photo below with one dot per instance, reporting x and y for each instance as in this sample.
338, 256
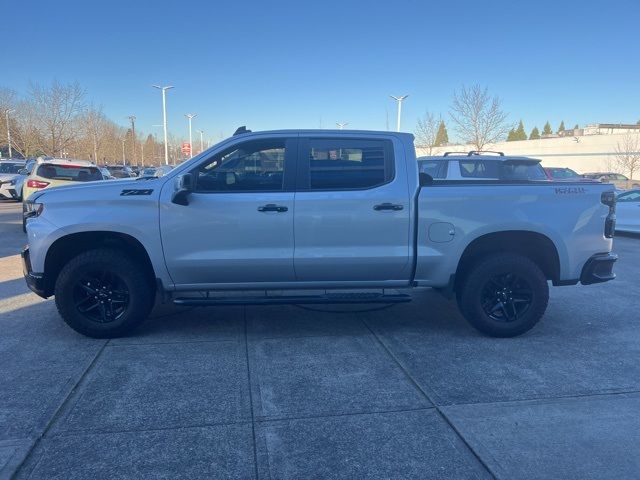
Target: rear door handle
272, 207
388, 206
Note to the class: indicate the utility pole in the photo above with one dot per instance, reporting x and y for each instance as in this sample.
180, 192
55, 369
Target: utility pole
399, 100
164, 119
190, 117
133, 138
201, 140
6, 114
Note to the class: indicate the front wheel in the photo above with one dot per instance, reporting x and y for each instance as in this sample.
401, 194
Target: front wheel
103, 293
504, 295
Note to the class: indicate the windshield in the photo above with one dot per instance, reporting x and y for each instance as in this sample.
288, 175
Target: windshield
72, 173
11, 167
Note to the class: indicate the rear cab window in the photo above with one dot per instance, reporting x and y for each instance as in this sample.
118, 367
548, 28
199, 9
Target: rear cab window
72, 173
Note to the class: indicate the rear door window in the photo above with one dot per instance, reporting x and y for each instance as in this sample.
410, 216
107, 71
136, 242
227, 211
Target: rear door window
347, 164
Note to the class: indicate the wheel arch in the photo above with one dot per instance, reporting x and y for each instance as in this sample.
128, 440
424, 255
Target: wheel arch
69, 246
538, 247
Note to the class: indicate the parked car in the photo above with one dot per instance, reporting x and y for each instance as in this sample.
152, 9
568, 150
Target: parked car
120, 171
106, 174
155, 172
8, 175
563, 174
57, 172
22, 178
331, 211
479, 166
628, 211
620, 181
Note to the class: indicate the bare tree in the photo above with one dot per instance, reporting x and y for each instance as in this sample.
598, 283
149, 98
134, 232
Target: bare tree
427, 132
627, 156
27, 138
478, 117
56, 109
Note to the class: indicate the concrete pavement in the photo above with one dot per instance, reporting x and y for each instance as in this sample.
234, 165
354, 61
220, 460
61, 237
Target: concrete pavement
283, 392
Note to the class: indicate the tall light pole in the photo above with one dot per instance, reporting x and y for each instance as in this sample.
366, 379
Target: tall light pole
190, 117
164, 119
399, 99
124, 161
341, 125
6, 114
201, 140
133, 137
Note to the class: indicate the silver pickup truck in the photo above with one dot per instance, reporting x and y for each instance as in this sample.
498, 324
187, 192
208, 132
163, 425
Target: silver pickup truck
314, 216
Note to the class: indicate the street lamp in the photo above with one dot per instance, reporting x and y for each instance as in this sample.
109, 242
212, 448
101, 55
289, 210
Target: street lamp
341, 125
164, 119
190, 117
201, 140
399, 99
6, 114
124, 161
133, 137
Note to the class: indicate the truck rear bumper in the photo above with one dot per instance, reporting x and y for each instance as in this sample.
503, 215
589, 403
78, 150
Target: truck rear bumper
34, 281
598, 269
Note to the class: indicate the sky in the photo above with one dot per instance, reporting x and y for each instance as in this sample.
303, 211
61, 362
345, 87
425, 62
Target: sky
276, 64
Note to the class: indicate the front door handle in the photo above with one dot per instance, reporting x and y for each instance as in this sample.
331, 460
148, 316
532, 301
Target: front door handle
388, 206
272, 207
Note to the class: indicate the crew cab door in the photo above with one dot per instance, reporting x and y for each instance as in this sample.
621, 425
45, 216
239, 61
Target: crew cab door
238, 224
352, 210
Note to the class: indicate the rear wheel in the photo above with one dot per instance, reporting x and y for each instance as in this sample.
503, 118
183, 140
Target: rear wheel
503, 295
103, 294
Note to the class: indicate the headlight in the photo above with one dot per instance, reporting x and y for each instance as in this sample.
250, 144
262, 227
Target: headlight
31, 209
12, 182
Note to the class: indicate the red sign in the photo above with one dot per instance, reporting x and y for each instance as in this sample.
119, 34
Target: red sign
186, 148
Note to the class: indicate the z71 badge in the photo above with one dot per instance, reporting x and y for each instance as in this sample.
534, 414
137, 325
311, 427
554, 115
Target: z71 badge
129, 193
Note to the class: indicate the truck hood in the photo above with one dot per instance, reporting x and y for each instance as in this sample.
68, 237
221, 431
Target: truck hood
87, 191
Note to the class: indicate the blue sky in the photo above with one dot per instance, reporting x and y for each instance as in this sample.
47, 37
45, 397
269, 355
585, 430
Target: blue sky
274, 64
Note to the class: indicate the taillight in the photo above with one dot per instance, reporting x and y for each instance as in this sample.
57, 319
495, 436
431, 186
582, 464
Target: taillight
609, 199
36, 184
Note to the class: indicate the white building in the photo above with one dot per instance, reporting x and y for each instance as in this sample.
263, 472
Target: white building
590, 149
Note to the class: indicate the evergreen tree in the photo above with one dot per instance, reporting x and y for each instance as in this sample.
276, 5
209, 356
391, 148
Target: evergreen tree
442, 137
535, 134
576, 127
511, 137
547, 129
520, 134
561, 127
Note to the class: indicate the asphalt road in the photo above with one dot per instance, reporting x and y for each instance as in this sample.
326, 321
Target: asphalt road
281, 392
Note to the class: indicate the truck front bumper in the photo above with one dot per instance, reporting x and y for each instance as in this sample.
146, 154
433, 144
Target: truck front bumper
34, 281
598, 269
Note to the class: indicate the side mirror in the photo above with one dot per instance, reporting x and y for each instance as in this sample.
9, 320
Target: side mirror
23, 171
425, 179
184, 185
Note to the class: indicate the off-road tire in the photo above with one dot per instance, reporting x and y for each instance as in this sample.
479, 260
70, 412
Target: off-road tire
113, 264
480, 287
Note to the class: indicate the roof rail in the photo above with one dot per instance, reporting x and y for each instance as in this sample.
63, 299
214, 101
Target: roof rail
472, 153
481, 152
446, 154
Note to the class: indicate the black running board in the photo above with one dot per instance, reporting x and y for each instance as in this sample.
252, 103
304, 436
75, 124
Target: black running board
329, 298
